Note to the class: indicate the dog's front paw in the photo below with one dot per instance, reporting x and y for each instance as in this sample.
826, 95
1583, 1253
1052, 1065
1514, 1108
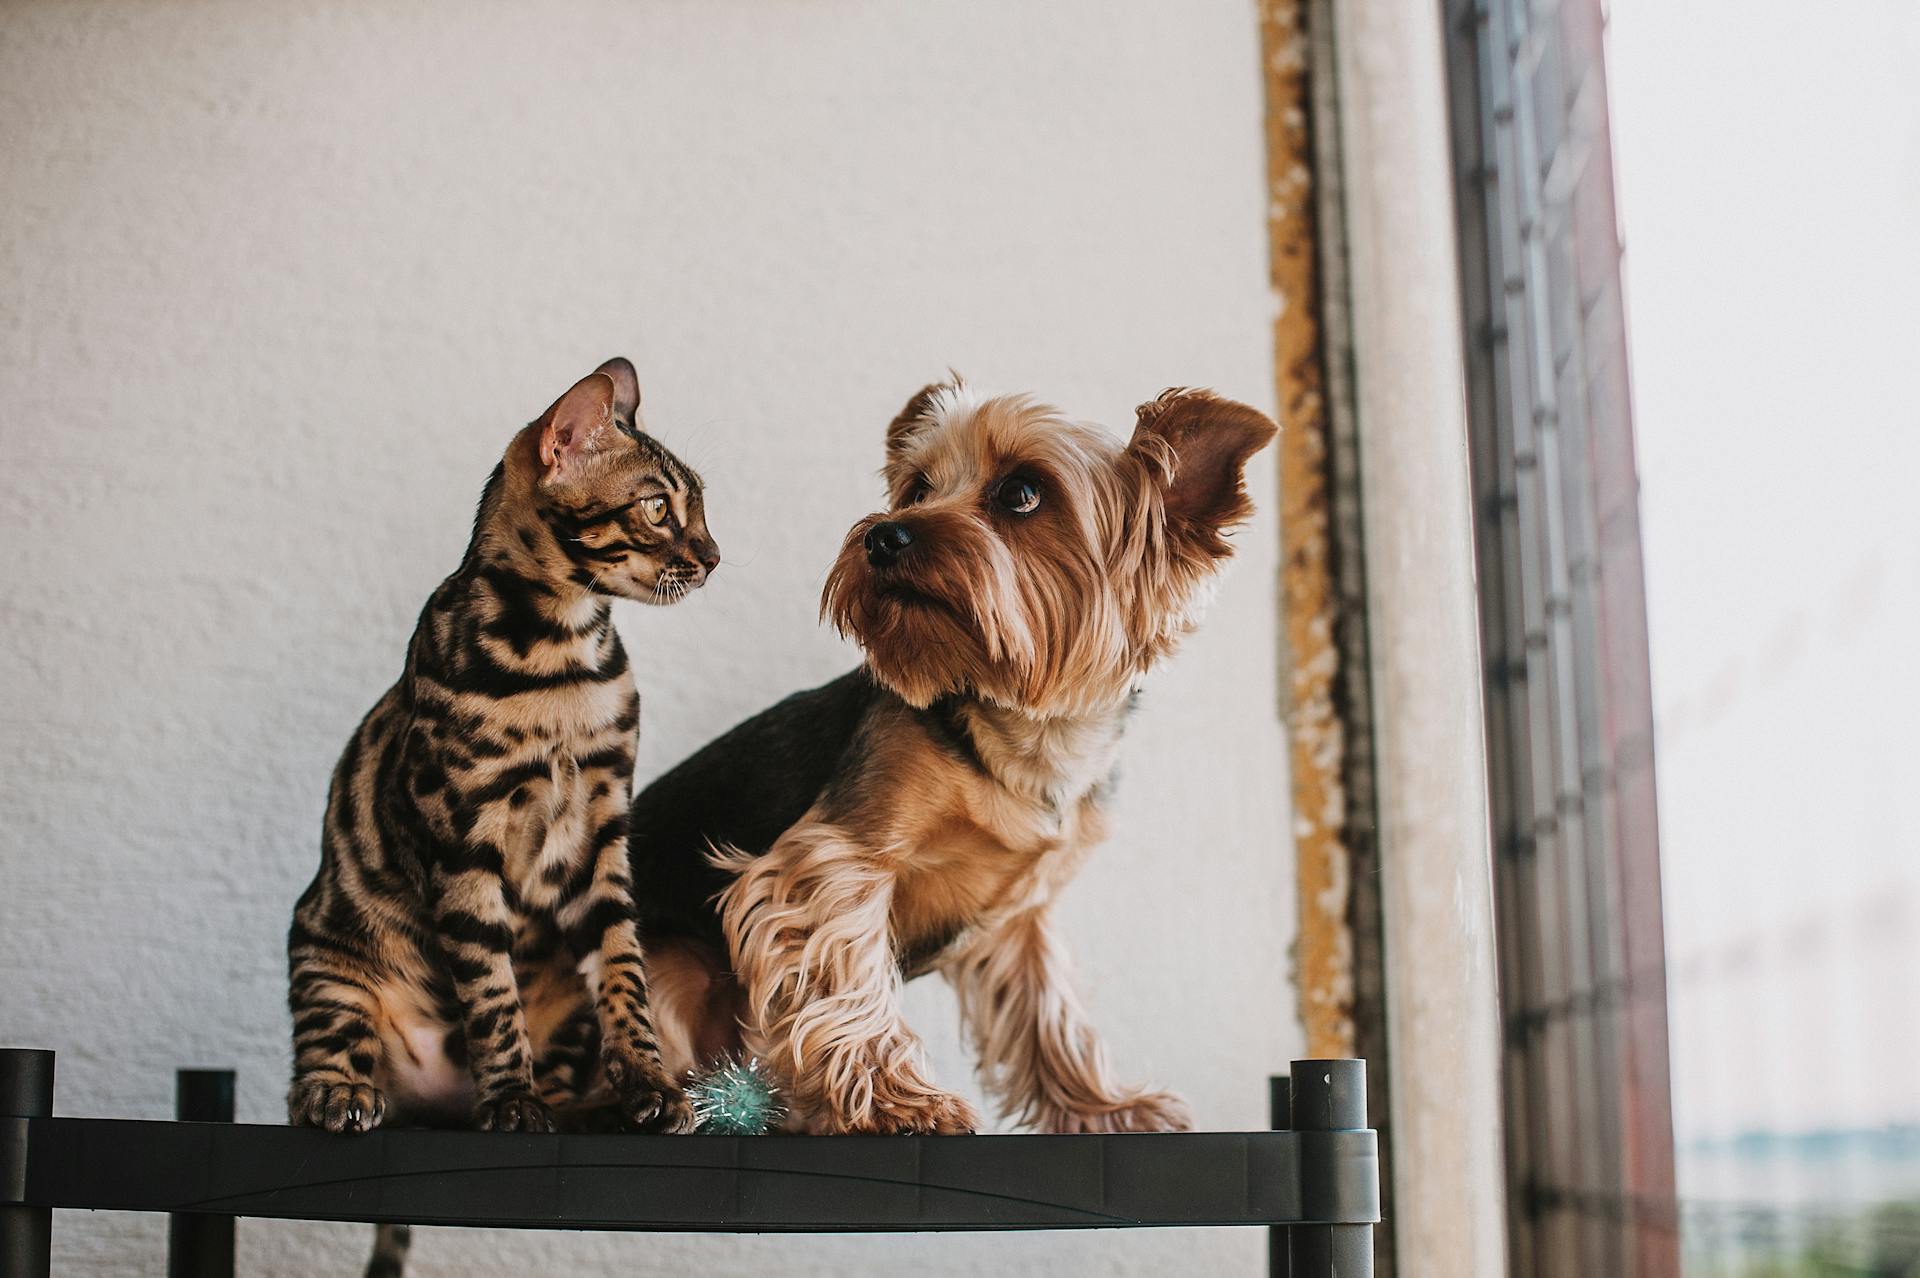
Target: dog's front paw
335, 1104
513, 1112
930, 1114
1140, 1112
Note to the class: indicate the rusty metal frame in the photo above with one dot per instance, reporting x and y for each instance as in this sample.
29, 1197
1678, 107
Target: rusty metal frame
1339, 970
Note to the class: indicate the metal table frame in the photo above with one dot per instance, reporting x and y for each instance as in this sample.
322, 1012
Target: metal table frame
1314, 1182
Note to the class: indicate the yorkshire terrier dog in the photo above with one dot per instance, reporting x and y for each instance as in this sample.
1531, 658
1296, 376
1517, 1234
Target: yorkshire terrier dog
921, 813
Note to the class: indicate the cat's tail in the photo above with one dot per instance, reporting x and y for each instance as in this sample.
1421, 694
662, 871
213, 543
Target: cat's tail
390, 1244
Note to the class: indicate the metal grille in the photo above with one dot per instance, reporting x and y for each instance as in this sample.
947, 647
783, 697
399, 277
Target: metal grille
1569, 713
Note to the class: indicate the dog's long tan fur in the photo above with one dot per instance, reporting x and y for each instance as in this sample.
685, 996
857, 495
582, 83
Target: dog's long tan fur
1025, 632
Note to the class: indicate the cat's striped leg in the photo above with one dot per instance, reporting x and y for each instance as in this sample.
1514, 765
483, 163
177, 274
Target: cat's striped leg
565, 1064
600, 923
566, 1074
335, 1045
476, 930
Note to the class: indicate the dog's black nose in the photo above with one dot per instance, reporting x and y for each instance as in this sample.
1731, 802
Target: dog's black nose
886, 542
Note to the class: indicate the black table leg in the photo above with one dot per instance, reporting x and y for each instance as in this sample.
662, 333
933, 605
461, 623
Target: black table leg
26, 1091
1279, 1116
201, 1246
1328, 1096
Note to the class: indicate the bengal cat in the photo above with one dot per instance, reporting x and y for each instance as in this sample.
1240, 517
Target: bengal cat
468, 950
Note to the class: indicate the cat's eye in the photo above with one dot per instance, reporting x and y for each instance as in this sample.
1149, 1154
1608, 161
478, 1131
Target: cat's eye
655, 509
1019, 495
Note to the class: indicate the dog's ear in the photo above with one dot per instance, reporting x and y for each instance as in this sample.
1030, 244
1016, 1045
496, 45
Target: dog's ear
626, 389
1196, 445
918, 411
579, 424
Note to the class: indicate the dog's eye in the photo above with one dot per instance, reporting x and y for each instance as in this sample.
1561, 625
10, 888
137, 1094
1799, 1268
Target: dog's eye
1019, 495
655, 509
920, 491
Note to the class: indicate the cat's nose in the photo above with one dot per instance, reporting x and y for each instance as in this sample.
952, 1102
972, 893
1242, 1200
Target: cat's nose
886, 542
708, 553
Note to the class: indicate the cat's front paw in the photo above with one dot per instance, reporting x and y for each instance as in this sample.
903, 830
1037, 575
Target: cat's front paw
513, 1112
663, 1108
1141, 1112
647, 1100
335, 1104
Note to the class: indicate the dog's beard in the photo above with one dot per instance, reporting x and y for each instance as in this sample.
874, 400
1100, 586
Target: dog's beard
931, 630
1044, 638
917, 647
920, 641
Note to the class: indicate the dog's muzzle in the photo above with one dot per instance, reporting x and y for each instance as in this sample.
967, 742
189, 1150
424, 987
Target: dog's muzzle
886, 542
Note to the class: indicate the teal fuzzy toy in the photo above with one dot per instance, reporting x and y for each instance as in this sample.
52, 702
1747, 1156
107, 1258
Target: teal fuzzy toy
735, 1098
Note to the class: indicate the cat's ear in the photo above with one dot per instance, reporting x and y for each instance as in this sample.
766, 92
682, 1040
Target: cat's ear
580, 423
626, 389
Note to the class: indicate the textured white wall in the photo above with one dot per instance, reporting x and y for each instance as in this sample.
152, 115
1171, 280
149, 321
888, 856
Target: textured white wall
278, 285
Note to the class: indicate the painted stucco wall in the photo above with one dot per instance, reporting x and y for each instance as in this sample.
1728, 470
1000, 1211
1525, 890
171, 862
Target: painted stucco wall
277, 283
